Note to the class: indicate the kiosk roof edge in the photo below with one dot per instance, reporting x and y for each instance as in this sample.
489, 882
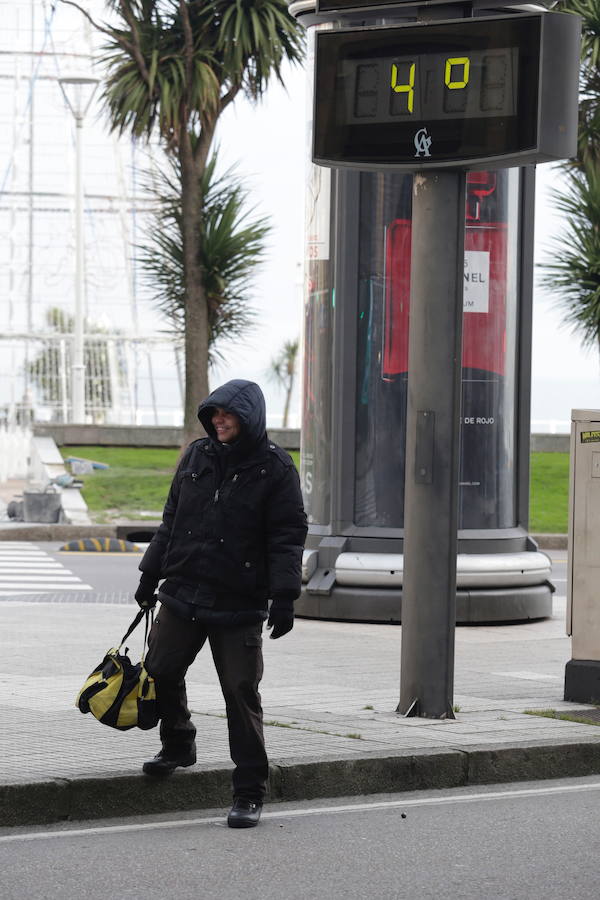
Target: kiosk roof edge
298, 7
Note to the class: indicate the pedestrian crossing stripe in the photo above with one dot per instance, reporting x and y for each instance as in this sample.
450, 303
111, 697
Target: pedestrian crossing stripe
34, 590
27, 569
21, 553
65, 575
26, 545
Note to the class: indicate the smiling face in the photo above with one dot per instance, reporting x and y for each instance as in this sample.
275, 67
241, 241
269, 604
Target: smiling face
226, 424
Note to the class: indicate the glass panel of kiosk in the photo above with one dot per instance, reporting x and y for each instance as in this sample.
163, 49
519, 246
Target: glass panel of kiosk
315, 450
487, 483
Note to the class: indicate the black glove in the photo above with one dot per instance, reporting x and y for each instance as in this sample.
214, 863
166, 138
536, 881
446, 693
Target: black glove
281, 618
145, 596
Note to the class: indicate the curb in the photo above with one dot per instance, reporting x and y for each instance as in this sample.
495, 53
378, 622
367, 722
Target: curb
54, 532
61, 799
25, 531
551, 541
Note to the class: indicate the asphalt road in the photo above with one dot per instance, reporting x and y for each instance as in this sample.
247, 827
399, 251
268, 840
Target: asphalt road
105, 572
535, 841
41, 567
117, 574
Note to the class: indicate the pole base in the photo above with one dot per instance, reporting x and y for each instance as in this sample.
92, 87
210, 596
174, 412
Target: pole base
413, 711
582, 681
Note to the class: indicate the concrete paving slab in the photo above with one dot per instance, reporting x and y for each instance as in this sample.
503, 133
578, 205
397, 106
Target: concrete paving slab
329, 693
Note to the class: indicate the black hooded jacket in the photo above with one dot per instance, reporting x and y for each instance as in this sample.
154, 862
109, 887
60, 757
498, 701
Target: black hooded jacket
233, 526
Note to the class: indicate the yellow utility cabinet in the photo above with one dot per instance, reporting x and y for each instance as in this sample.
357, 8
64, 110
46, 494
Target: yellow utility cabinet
582, 672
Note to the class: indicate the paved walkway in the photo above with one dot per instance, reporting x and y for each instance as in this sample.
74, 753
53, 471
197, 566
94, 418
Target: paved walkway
330, 691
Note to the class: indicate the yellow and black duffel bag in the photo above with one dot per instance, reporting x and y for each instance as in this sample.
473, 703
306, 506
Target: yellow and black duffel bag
119, 693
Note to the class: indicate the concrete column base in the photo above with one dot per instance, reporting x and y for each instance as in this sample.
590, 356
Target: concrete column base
582, 681
376, 604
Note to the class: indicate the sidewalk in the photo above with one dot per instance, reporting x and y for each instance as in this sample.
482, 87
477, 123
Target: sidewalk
329, 695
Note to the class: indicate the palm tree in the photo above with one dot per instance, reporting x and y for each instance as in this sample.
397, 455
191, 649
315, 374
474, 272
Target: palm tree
230, 249
573, 269
173, 67
573, 264
283, 370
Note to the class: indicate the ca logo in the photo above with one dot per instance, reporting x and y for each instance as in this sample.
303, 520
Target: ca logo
422, 143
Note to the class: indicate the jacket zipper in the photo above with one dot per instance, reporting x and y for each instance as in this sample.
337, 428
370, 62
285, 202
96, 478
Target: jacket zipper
217, 492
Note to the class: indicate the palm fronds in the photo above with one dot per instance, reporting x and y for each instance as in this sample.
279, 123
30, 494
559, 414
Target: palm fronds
231, 247
171, 64
572, 268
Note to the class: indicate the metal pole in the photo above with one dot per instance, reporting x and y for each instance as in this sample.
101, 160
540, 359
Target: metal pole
78, 366
28, 412
32, 135
79, 106
432, 446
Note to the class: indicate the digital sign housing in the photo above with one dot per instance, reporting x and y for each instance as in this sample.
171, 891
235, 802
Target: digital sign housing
450, 93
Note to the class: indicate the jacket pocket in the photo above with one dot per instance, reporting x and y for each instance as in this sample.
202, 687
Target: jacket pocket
196, 490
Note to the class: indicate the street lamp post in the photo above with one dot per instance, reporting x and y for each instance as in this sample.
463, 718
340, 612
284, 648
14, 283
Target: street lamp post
78, 94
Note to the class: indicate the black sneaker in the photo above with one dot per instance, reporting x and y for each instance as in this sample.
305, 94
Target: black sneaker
164, 764
244, 813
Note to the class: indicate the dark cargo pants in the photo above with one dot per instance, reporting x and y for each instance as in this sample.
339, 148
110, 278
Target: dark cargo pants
173, 645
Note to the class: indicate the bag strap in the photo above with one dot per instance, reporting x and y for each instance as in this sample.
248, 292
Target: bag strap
149, 613
147, 625
134, 624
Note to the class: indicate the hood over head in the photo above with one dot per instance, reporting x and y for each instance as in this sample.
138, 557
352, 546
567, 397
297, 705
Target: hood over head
246, 400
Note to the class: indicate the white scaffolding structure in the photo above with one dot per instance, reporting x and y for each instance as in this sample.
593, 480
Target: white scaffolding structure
132, 371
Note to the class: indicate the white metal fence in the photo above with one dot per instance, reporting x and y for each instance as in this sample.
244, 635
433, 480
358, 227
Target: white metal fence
128, 381
15, 444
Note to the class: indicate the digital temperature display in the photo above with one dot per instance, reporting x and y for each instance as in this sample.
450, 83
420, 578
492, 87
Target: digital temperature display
462, 92
430, 86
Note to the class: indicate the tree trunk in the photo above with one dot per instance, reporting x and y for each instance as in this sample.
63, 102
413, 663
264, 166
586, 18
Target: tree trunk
288, 398
196, 310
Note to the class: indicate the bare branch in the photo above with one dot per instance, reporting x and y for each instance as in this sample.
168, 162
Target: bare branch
134, 48
229, 97
84, 12
189, 43
208, 125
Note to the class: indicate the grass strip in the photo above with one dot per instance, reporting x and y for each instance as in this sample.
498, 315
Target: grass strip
139, 478
564, 716
549, 493
136, 484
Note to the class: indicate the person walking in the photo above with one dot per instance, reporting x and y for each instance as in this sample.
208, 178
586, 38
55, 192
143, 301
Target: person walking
230, 541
